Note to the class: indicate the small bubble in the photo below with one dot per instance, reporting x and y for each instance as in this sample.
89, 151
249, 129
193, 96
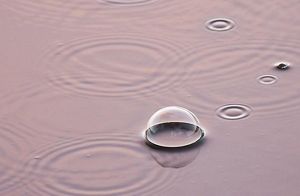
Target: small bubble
88, 155
233, 111
282, 65
267, 79
219, 24
173, 127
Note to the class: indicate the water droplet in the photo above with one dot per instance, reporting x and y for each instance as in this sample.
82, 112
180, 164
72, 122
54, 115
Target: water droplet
233, 111
282, 66
173, 127
220, 24
267, 79
88, 155
37, 157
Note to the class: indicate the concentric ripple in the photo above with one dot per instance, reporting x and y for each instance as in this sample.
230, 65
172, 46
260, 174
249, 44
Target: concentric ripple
267, 79
98, 165
219, 24
224, 74
14, 146
84, 15
233, 111
113, 66
271, 21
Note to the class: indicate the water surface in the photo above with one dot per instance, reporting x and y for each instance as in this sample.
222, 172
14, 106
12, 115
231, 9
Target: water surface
80, 79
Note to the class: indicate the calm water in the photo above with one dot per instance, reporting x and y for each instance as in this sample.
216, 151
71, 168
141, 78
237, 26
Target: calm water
80, 79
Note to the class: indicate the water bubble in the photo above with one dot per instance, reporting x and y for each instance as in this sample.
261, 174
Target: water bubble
267, 79
173, 127
233, 111
220, 24
88, 155
282, 65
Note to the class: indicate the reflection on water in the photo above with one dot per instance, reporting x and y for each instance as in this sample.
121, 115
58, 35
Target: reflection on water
175, 157
72, 69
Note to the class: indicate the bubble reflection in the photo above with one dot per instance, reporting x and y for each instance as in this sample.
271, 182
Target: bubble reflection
175, 157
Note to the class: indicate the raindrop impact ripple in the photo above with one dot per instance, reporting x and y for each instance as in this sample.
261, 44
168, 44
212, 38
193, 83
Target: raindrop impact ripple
267, 79
233, 111
219, 24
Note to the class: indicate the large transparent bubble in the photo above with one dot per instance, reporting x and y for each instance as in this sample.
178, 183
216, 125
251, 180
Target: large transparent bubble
173, 127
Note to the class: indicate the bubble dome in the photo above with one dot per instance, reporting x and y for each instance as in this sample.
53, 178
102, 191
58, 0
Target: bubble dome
173, 127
